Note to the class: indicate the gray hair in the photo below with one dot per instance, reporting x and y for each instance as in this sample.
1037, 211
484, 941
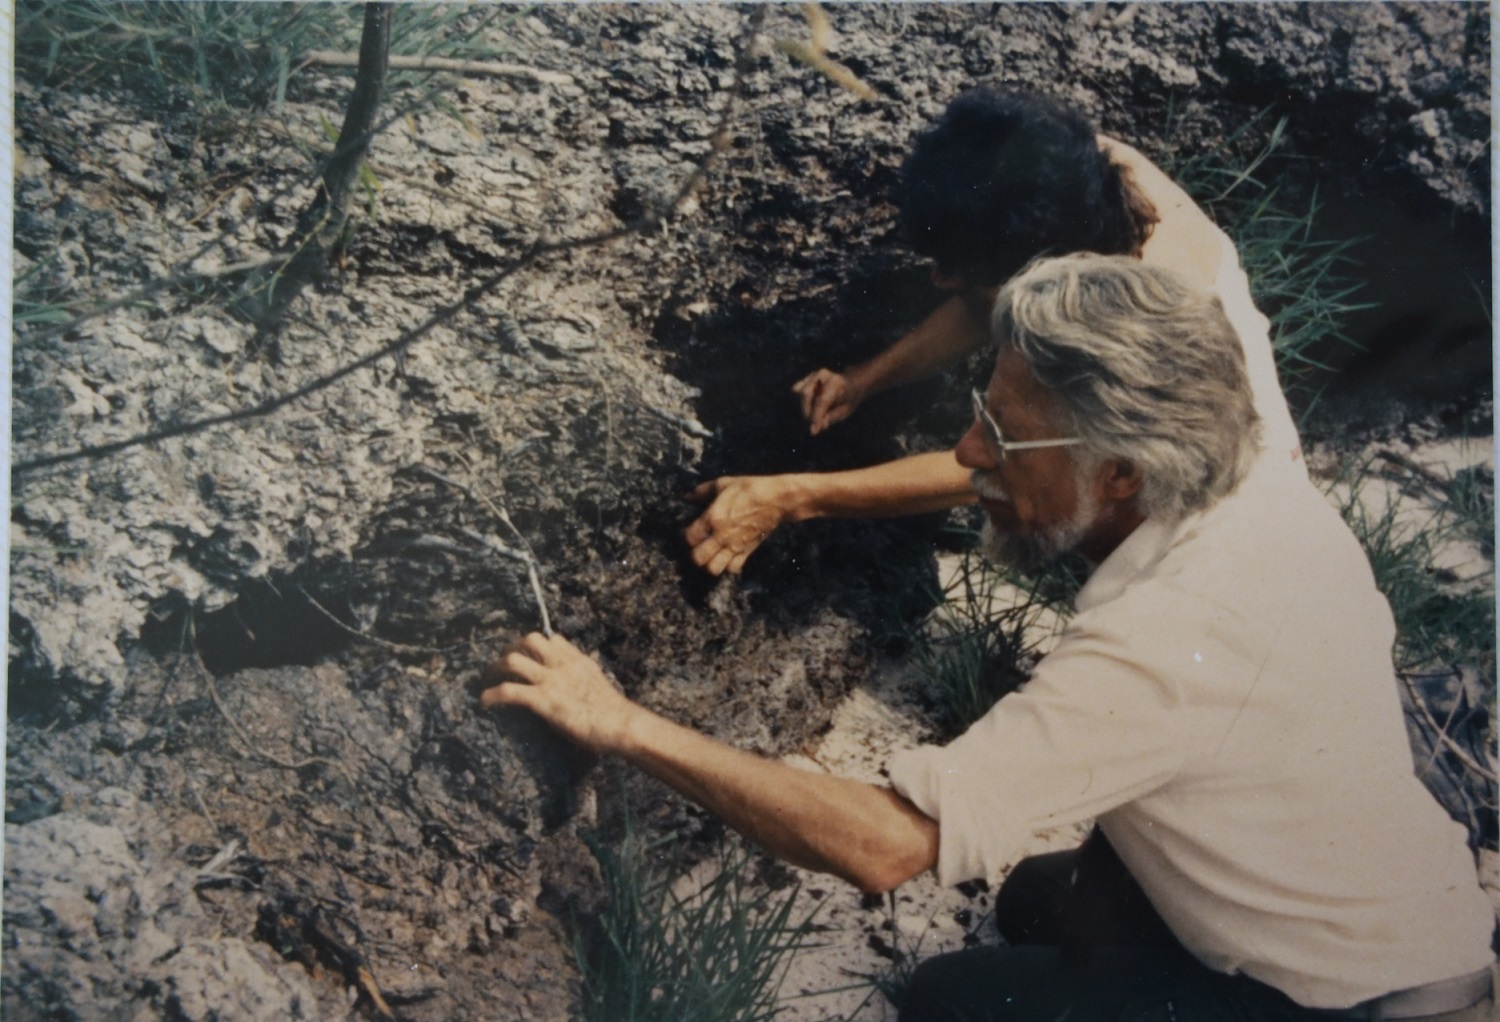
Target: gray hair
1147, 367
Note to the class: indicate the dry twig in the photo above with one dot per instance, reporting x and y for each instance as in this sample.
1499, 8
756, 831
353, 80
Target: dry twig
679, 204
333, 58
1442, 735
525, 555
375, 639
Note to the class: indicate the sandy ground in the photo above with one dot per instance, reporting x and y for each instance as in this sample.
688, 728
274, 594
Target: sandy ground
860, 939
865, 938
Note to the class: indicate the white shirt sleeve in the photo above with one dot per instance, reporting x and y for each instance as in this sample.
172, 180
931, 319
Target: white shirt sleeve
1101, 723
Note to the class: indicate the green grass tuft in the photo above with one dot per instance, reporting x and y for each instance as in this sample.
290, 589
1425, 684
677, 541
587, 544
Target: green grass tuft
1306, 286
1440, 619
980, 642
225, 53
716, 955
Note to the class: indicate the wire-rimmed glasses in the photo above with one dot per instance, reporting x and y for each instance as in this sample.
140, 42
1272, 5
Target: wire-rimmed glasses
997, 439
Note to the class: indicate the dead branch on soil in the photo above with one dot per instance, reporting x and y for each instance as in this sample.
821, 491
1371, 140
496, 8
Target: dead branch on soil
302, 929
1442, 486
202, 806
213, 873
813, 53
481, 68
692, 427
1442, 734
678, 205
525, 555
397, 647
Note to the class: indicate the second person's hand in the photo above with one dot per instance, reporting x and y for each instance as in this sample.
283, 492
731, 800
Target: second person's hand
827, 398
742, 512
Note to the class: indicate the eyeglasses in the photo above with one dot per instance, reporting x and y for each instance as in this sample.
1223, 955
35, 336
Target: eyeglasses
997, 438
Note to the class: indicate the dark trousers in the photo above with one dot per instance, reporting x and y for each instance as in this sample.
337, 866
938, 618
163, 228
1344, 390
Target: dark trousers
1083, 944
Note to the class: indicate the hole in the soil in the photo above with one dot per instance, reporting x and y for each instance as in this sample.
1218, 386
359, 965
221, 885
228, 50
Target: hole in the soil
745, 361
269, 625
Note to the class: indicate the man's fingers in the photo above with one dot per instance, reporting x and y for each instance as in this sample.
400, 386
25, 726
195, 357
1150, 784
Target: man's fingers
810, 390
508, 693
524, 658
721, 560
699, 531
543, 649
704, 551
807, 381
704, 492
822, 412
516, 666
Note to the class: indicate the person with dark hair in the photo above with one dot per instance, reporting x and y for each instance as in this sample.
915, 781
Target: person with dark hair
1001, 178
1005, 177
1223, 704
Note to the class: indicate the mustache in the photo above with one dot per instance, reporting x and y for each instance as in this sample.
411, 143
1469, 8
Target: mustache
986, 487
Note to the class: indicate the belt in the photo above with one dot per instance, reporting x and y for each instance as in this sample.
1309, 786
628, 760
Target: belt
1419, 1002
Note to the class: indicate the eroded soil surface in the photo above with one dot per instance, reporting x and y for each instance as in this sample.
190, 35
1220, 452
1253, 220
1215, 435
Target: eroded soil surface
246, 774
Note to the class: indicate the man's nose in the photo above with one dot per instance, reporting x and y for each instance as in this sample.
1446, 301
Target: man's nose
973, 452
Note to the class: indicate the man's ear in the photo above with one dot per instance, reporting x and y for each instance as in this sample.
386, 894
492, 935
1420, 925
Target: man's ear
1118, 480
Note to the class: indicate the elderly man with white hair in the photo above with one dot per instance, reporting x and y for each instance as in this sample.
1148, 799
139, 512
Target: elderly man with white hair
1223, 704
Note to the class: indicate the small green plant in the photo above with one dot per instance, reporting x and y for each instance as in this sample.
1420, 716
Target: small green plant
1440, 619
894, 981
1304, 284
1471, 498
656, 955
981, 640
227, 53
217, 50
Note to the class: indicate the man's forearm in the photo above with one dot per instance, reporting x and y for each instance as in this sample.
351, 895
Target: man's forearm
908, 486
867, 835
953, 331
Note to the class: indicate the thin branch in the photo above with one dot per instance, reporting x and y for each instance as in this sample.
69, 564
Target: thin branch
202, 806
525, 555
692, 427
375, 639
333, 58
647, 222
1452, 746
405, 340
529, 554
256, 750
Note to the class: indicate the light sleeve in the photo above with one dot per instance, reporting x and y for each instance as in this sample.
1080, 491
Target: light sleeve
1101, 723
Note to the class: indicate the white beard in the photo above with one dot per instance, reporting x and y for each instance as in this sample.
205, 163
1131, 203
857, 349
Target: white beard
1031, 551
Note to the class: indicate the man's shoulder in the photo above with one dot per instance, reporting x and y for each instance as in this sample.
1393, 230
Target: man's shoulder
1272, 545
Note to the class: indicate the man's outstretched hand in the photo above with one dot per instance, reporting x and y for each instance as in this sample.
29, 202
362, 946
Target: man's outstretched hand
827, 398
552, 678
742, 512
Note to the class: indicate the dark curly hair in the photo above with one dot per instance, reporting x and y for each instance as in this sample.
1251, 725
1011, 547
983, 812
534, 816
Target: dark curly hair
1005, 176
